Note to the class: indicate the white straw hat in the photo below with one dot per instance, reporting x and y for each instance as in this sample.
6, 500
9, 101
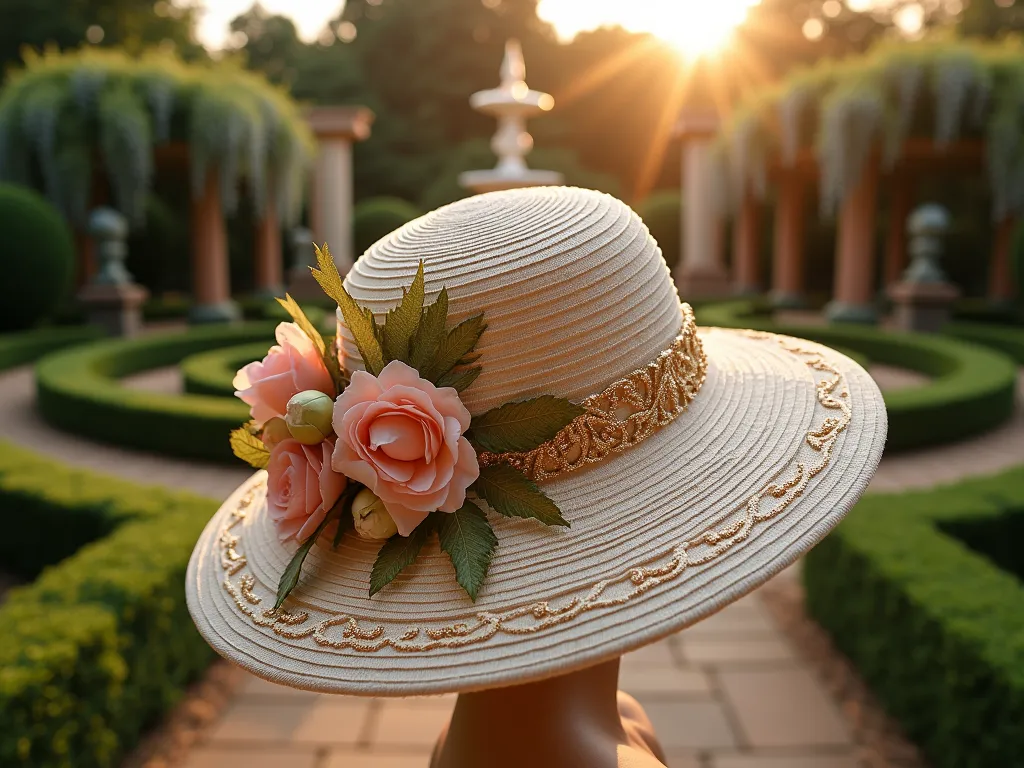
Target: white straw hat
777, 445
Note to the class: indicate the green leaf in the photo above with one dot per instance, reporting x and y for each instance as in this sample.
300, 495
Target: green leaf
404, 320
469, 541
524, 425
513, 494
249, 448
359, 321
397, 553
460, 379
290, 577
458, 343
345, 520
428, 336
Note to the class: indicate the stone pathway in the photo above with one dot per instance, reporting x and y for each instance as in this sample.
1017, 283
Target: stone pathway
730, 692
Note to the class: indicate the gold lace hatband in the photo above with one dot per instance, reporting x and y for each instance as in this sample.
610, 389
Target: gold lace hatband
624, 414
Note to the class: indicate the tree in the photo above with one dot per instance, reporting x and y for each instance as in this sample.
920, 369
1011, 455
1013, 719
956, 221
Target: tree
133, 24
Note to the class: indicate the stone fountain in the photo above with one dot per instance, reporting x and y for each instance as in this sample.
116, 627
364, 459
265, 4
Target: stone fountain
512, 103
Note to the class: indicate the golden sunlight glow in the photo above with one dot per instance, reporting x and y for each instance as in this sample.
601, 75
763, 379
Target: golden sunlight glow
694, 27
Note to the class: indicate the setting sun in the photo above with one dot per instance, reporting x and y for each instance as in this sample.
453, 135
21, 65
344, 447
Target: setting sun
694, 27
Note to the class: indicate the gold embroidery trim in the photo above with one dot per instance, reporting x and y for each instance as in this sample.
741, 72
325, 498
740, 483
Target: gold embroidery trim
624, 415
341, 630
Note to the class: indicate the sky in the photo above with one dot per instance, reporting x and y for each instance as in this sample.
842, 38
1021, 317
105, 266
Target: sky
693, 25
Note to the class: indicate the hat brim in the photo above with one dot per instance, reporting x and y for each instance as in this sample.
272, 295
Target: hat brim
781, 441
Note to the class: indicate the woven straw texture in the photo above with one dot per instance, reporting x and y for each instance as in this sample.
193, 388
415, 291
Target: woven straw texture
778, 445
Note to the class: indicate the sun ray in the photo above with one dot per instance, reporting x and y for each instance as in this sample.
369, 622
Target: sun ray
652, 161
602, 72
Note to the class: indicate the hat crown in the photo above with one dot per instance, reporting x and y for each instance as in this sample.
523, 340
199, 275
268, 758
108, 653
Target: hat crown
573, 288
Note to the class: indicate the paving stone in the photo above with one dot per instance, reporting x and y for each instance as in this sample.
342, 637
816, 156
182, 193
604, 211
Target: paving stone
783, 708
690, 725
735, 650
657, 654
374, 759
683, 760
308, 722
254, 757
750, 619
256, 689
803, 760
644, 681
407, 724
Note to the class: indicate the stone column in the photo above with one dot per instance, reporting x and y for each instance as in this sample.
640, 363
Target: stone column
788, 249
700, 271
211, 278
854, 291
746, 246
269, 265
900, 203
336, 128
1000, 274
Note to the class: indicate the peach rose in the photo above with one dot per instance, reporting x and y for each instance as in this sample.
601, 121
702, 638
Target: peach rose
302, 487
401, 437
291, 366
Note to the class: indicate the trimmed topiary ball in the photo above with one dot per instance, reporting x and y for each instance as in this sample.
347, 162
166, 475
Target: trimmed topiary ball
38, 257
379, 216
662, 213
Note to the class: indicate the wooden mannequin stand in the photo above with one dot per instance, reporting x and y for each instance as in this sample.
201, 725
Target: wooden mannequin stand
578, 720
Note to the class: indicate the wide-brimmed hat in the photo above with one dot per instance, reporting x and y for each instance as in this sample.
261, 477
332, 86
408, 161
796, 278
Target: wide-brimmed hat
766, 443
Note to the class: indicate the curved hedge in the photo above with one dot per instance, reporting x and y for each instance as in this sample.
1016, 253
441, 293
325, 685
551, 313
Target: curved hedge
78, 391
1007, 339
100, 645
211, 373
29, 346
923, 592
972, 388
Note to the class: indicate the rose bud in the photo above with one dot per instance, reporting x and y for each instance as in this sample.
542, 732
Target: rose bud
372, 520
274, 431
308, 416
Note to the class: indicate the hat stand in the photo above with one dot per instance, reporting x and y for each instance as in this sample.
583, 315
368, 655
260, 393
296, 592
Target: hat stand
577, 720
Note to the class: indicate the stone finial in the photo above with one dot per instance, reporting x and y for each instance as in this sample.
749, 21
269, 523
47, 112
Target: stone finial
110, 230
924, 298
301, 283
513, 66
927, 226
111, 300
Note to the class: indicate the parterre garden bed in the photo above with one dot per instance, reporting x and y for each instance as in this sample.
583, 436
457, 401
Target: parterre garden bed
923, 592
972, 388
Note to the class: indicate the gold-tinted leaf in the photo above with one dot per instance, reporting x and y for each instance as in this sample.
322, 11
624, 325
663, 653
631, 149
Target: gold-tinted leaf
457, 343
401, 323
359, 321
296, 314
249, 448
425, 342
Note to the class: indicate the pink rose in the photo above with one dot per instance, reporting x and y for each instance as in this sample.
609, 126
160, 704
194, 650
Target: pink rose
302, 487
401, 437
291, 366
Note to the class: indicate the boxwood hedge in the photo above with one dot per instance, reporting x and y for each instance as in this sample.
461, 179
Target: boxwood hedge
28, 346
101, 644
972, 388
78, 391
1007, 339
211, 373
909, 588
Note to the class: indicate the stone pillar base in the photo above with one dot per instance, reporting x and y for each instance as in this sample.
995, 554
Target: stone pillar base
844, 312
923, 307
302, 286
222, 312
115, 308
702, 283
746, 291
787, 300
270, 292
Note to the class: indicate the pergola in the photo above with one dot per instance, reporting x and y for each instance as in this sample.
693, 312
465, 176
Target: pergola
872, 133
95, 128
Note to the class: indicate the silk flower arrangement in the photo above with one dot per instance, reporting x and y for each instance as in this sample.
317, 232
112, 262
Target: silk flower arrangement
390, 452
